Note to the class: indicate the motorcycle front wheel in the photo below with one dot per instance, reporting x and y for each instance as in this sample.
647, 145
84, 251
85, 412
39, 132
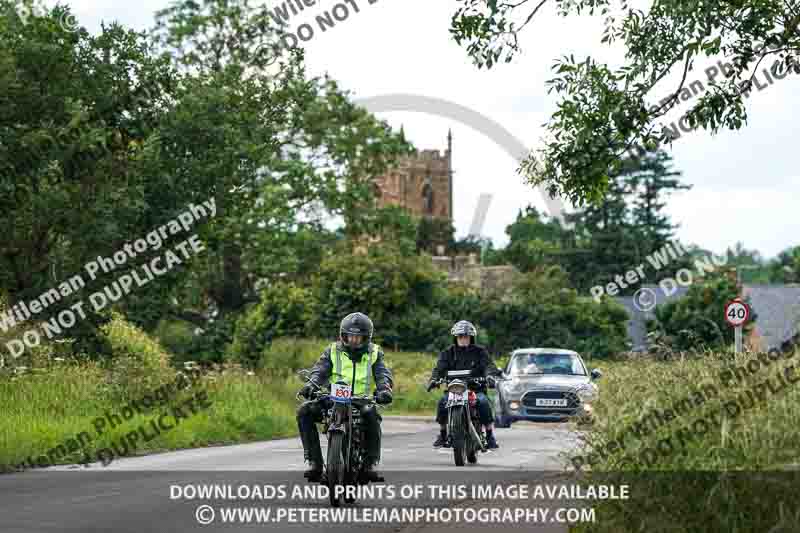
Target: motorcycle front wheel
472, 453
458, 434
334, 470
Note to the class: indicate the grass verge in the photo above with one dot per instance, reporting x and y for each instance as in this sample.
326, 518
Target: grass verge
65, 412
706, 444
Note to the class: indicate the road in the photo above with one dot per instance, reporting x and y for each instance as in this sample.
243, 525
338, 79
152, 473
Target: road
134, 494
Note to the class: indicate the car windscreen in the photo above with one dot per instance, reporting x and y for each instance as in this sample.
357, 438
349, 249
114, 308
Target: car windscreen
547, 363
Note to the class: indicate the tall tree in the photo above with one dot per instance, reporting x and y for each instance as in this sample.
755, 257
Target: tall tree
534, 240
603, 113
652, 179
270, 143
739, 255
606, 242
619, 233
78, 121
785, 268
390, 224
434, 232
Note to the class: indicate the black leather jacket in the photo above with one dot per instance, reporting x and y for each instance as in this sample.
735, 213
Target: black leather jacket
321, 372
473, 357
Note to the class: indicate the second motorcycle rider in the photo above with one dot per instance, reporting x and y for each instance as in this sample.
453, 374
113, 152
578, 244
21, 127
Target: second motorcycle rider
464, 354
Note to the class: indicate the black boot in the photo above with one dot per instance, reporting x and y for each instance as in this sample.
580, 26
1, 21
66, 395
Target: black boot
314, 472
441, 440
491, 443
370, 474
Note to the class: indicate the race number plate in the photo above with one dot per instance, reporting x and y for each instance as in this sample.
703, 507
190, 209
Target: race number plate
341, 393
455, 397
547, 402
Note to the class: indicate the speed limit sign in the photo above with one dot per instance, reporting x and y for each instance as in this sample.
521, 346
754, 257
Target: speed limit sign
736, 312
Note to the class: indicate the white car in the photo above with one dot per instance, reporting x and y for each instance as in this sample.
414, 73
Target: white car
544, 384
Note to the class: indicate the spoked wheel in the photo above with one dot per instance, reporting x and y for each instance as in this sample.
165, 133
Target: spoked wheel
458, 433
473, 446
335, 468
351, 480
472, 453
349, 497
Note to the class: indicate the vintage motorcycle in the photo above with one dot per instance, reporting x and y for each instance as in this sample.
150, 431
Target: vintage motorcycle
346, 459
465, 432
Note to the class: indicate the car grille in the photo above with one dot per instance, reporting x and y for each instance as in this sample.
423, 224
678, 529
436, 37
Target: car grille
529, 402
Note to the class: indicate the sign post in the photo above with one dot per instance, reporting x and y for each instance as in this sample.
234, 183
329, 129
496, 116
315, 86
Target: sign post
737, 336
737, 314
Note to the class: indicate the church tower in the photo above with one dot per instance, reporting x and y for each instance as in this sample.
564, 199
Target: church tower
450, 169
421, 184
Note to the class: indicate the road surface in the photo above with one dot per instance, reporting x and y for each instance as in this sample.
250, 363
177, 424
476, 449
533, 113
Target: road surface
136, 494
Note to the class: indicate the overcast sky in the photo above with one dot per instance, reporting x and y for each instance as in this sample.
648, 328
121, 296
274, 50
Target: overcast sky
745, 184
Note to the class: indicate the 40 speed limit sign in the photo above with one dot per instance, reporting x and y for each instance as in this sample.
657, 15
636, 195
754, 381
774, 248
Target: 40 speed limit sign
736, 312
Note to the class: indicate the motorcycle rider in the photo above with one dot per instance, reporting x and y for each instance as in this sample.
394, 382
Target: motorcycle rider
354, 355
464, 354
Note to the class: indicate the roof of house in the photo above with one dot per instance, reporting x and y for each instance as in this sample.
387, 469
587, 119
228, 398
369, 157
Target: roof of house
651, 296
777, 308
778, 312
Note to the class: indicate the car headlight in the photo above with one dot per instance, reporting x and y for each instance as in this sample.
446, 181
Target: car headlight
514, 387
587, 393
514, 406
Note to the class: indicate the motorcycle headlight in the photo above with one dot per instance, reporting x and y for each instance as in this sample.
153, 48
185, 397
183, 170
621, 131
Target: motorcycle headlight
458, 388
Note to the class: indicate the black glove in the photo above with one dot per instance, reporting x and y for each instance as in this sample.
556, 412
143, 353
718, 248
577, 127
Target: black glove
383, 396
491, 381
432, 385
308, 389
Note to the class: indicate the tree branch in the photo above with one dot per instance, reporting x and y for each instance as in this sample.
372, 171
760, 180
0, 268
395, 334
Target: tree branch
533, 13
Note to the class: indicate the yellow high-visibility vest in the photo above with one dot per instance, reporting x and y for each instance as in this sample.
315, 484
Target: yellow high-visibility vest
343, 369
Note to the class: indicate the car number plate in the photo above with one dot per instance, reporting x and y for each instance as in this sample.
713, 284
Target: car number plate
548, 402
341, 393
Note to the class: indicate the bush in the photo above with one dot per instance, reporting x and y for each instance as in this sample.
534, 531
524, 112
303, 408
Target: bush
40, 356
138, 363
696, 321
288, 354
176, 336
383, 283
420, 328
539, 310
413, 309
285, 310
214, 341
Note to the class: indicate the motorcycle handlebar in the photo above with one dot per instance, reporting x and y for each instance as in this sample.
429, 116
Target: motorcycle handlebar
443, 381
321, 394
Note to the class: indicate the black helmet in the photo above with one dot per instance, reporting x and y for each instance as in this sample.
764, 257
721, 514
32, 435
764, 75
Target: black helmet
463, 327
356, 324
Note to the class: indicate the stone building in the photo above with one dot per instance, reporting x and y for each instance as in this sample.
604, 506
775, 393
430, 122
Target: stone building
421, 184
